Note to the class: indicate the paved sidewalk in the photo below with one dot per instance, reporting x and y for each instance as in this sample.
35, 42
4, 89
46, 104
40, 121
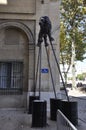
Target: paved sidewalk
18, 120
80, 97
12, 119
15, 119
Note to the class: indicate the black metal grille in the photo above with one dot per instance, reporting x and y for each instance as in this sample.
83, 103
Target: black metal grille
11, 77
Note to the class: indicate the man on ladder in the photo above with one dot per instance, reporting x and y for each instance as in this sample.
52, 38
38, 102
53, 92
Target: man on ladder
45, 30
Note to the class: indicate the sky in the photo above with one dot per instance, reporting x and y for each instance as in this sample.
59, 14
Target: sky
81, 66
3, 1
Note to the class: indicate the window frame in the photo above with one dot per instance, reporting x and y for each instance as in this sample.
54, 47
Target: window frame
12, 81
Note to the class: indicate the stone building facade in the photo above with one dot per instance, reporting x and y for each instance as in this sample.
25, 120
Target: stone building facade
18, 51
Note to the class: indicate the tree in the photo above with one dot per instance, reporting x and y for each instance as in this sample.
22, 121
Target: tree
65, 51
72, 35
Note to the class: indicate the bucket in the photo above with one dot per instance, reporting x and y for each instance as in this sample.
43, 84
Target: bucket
55, 104
69, 109
39, 113
31, 99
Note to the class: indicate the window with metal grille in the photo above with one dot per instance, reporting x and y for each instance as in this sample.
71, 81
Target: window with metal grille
11, 77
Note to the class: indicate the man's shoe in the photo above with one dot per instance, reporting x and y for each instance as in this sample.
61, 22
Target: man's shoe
46, 44
51, 39
38, 44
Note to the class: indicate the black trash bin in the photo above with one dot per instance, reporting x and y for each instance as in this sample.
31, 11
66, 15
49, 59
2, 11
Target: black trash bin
39, 114
70, 110
55, 104
31, 99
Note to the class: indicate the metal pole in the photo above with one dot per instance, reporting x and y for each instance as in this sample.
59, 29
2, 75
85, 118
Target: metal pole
36, 73
51, 73
40, 72
59, 71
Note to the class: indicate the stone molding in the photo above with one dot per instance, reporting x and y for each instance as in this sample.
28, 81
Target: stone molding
21, 26
18, 7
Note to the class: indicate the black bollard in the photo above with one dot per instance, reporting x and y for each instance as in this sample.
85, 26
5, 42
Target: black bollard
55, 104
31, 99
39, 114
69, 109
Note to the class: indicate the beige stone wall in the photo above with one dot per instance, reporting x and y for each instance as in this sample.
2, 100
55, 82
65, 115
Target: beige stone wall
51, 9
18, 6
16, 50
28, 13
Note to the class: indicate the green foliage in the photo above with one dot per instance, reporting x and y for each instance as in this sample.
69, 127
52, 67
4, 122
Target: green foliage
81, 76
65, 46
73, 28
